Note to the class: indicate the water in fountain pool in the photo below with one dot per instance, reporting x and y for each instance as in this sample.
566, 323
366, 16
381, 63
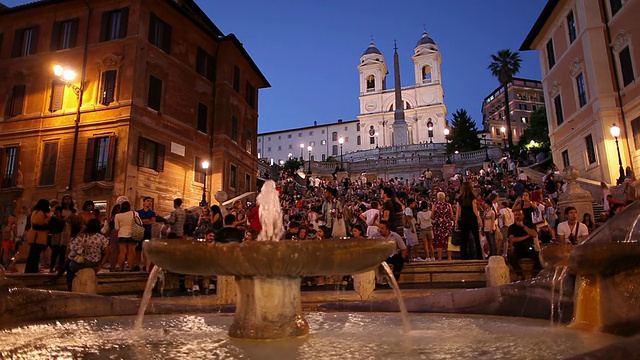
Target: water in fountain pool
334, 335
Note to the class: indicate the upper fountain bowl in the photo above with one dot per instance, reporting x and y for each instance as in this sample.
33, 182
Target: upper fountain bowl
269, 258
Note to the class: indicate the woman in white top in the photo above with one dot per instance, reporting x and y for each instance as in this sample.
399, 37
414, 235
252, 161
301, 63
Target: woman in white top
371, 217
126, 244
426, 230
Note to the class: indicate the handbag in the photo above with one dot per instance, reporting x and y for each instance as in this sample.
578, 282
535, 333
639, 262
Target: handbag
137, 229
456, 237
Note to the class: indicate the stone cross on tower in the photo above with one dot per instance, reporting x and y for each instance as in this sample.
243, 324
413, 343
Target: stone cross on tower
400, 127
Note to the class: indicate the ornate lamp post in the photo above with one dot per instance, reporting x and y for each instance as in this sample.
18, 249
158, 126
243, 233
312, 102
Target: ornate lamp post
301, 148
615, 132
205, 167
446, 136
430, 128
66, 76
341, 141
309, 169
376, 135
486, 148
504, 138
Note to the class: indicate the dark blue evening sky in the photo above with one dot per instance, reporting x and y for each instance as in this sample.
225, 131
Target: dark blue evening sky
309, 50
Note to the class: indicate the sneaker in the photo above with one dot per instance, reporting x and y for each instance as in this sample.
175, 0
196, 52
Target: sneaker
418, 259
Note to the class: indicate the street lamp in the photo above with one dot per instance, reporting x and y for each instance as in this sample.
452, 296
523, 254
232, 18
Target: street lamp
341, 141
615, 132
377, 139
301, 148
504, 138
66, 76
446, 136
309, 170
486, 148
430, 128
205, 166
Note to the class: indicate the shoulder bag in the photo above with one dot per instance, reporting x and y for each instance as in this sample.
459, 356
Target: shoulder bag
137, 229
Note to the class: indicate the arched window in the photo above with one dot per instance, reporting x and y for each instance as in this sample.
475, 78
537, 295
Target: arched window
358, 127
426, 73
371, 82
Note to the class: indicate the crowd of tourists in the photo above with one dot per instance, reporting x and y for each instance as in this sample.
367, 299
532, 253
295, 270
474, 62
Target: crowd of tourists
495, 211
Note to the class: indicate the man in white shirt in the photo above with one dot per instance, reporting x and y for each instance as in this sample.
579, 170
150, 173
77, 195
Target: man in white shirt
371, 218
571, 231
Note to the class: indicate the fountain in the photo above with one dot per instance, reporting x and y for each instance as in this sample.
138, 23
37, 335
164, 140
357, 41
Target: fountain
268, 307
268, 272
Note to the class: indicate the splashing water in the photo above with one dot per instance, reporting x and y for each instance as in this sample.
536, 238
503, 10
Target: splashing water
153, 275
270, 213
396, 290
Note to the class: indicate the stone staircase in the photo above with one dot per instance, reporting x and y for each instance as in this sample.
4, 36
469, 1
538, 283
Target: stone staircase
444, 274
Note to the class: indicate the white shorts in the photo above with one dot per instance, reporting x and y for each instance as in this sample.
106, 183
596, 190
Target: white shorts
410, 237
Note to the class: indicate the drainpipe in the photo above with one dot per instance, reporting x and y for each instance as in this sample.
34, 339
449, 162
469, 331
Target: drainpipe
76, 129
616, 81
213, 113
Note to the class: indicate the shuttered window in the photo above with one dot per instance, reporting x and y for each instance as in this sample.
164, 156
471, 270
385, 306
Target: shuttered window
160, 33
108, 86
25, 42
17, 100
150, 154
10, 166
57, 95
100, 159
205, 65
155, 93
114, 24
49, 163
202, 117
64, 34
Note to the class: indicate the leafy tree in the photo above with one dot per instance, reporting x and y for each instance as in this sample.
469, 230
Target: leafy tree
505, 64
538, 130
292, 165
464, 134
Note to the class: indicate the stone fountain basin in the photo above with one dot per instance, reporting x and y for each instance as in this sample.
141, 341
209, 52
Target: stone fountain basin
604, 258
269, 258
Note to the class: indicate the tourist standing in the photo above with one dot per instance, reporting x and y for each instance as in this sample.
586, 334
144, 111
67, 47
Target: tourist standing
123, 222
177, 220
37, 235
148, 217
426, 230
441, 220
468, 221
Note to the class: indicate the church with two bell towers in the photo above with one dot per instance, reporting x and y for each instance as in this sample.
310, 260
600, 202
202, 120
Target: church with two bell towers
421, 117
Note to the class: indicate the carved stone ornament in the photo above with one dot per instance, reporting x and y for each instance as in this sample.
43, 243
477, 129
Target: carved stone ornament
110, 61
576, 67
554, 89
621, 40
157, 70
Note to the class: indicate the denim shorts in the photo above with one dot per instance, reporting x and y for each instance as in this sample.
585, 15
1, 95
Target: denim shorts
127, 240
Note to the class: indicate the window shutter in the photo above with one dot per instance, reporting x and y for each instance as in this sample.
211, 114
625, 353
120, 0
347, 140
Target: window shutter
155, 93
166, 38
57, 94
55, 36
141, 147
153, 19
160, 158
211, 67
111, 160
17, 100
17, 43
124, 19
14, 171
34, 40
88, 164
74, 33
108, 86
104, 26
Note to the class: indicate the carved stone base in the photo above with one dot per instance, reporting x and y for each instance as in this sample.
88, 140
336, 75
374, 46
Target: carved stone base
268, 308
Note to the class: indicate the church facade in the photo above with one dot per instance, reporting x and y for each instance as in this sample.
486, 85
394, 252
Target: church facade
423, 101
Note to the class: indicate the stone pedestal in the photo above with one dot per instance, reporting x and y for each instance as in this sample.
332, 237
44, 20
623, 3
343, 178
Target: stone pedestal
268, 308
226, 290
448, 170
574, 195
364, 284
85, 282
496, 272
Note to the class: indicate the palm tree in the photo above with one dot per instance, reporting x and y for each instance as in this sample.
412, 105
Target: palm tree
505, 64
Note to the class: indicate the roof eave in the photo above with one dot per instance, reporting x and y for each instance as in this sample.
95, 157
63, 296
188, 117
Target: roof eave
537, 27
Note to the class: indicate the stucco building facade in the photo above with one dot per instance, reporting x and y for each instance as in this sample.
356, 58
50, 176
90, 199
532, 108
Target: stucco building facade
589, 56
158, 89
